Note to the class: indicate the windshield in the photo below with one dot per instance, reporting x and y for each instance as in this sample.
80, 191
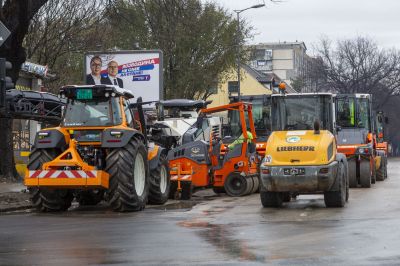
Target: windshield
300, 113
352, 112
261, 118
99, 112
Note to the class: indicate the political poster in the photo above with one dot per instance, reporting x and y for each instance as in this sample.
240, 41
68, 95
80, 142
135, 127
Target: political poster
138, 71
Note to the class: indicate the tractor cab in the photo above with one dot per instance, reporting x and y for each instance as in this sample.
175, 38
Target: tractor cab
353, 116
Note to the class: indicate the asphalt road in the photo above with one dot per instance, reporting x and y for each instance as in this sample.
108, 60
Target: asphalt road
216, 231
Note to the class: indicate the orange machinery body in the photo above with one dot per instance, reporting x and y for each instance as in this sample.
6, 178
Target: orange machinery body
209, 175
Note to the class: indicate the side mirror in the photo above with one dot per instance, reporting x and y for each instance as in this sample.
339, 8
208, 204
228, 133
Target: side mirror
386, 120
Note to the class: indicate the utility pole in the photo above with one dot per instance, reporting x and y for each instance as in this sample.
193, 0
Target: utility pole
238, 43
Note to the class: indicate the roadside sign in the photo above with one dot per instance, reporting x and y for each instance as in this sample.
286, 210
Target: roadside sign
4, 33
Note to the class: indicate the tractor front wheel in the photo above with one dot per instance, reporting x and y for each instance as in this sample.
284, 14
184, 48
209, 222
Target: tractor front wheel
47, 199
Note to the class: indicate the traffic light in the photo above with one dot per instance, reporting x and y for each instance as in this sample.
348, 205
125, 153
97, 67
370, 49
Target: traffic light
5, 81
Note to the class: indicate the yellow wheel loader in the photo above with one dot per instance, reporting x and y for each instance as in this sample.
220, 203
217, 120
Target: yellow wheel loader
99, 151
301, 156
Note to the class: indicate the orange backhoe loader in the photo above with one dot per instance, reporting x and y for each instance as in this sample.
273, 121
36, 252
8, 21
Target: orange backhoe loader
227, 163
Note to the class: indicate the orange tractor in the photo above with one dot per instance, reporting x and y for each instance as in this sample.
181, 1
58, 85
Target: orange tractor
227, 163
98, 152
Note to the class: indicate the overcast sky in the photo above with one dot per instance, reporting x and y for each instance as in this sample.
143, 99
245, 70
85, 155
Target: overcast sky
308, 20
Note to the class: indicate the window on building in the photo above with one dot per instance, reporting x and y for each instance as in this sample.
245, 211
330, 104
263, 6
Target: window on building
232, 86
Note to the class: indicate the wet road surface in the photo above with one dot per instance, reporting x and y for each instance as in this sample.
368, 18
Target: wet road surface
216, 231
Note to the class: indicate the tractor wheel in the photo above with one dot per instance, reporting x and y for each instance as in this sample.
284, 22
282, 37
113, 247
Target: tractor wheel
89, 197
46, 199
159, 182
173, 187
187, 190
256, 187
352, 164
218, 190
129, 177
271, 199
236, 185
337, 198
365, 174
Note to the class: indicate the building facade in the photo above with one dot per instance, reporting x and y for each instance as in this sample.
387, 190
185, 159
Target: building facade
287, 60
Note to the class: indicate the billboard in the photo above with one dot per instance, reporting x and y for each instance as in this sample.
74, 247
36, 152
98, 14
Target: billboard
138, 71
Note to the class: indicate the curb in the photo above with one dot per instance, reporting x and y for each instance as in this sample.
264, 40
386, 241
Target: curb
15, 208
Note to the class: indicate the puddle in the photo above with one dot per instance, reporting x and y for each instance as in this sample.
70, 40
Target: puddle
220, 237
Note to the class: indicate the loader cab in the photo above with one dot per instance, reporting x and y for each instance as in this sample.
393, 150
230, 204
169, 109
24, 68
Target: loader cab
297, 112
354, 117
354, 111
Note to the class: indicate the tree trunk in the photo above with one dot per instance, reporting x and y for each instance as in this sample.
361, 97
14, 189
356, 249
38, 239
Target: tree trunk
7, 166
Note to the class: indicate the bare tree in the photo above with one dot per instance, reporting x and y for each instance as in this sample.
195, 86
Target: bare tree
61, 32
358, 65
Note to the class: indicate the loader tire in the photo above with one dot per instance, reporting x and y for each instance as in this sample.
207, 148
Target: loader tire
236, 185
352, 164
337, 198
129, 177
47, 199
159, 182
187, 190
365, 174
271, 199
89, 197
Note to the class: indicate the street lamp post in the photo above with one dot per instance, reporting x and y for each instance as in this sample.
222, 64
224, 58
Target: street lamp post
238, 42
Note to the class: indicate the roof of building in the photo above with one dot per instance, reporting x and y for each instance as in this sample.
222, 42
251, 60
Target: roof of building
280, 44
265, 77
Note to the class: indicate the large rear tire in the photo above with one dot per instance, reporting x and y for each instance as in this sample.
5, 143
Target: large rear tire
271, 199
337, 198
47, 199
365, 174
129, 178
159, 182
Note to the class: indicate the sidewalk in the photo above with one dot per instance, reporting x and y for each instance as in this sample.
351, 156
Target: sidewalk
13, 196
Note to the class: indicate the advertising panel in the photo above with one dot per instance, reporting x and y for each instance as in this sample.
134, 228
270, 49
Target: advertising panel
138, 71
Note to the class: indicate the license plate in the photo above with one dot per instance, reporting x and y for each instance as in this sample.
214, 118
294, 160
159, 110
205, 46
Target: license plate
294, 171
